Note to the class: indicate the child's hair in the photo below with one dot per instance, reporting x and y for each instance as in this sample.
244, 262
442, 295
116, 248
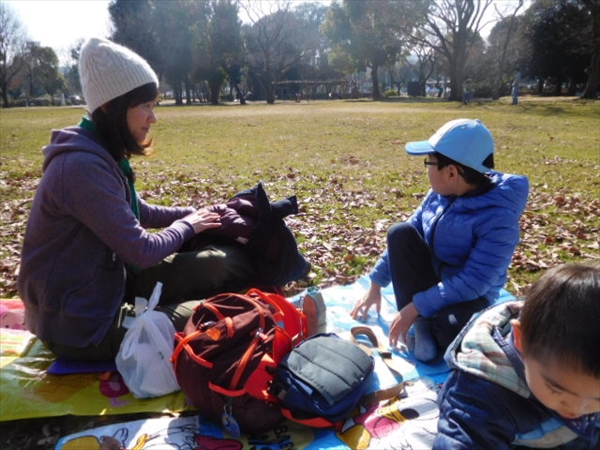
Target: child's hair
560, 320
112, 127
470, 175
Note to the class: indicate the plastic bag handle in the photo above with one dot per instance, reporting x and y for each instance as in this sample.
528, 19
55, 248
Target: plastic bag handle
166, 348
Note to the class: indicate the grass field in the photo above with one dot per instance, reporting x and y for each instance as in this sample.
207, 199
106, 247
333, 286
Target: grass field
345, 161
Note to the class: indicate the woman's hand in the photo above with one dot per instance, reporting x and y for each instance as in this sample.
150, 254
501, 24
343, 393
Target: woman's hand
203, 219
362, 306
401, 323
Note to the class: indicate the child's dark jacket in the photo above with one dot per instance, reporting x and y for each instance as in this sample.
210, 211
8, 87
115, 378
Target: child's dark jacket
486, 402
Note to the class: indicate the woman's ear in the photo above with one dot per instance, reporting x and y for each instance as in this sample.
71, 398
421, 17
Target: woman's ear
517, 334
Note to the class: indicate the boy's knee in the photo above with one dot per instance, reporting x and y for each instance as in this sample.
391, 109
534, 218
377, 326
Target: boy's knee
402, 232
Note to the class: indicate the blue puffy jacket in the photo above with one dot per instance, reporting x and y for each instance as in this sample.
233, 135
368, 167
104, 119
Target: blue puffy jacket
472, 239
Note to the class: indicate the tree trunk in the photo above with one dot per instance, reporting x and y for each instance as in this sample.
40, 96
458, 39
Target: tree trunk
593, 82
271, 95
215, 88
375, 80
558, 87
239, 94
188, 94
456, 79
177, 94
5, 97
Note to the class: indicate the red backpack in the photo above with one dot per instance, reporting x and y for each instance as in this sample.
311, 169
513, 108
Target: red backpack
226, 356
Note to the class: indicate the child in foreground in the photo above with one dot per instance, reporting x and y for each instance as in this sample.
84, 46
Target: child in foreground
527, 374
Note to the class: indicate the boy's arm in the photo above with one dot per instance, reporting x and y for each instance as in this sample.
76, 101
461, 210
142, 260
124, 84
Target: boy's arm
473, 415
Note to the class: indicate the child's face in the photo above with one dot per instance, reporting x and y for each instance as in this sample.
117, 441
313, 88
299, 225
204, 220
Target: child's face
563, 388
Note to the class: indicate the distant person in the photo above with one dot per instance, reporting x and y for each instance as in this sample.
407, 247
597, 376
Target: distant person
87, 248
449, 259
527, 374
467, 91
515, 88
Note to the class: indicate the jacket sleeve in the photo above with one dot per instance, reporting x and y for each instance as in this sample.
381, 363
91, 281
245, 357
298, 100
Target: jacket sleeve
97, 198
381, 272
473, 415
156, 216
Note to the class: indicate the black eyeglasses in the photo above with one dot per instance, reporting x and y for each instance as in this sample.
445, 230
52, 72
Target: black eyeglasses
431, 163
441, 166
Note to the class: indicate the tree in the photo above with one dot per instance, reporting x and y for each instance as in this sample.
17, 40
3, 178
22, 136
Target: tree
559, 32
314, 43
180, 26
503, 62
370, 34
422, 62
42, 71
165, 33
12, 46
272, 43
133, 25
452, 28
71, 71
219, 53
593, 82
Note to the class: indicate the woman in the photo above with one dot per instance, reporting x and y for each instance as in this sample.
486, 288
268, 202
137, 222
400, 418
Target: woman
87, 249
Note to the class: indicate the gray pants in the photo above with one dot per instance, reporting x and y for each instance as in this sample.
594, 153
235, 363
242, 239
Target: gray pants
187, 278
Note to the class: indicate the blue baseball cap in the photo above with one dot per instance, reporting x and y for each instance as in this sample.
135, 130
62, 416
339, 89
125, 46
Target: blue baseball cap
466, 141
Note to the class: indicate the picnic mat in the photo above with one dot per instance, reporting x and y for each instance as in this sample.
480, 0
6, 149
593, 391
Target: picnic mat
27, 390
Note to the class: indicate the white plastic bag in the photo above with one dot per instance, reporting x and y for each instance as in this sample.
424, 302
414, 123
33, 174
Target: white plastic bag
144, 357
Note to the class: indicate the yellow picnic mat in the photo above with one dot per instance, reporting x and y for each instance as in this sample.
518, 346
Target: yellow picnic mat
28, 391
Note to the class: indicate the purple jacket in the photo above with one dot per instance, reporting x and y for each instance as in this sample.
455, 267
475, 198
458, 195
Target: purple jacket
80, 233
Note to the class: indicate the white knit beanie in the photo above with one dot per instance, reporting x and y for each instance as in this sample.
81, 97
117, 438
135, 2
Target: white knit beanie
108, 70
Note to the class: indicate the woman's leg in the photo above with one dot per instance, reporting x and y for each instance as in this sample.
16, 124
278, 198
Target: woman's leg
198, 274
106, 350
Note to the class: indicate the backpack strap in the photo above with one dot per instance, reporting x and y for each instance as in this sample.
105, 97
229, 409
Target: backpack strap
386, 356
314, 422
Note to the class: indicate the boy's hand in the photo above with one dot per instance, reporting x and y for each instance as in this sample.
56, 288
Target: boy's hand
362, 306
401, 323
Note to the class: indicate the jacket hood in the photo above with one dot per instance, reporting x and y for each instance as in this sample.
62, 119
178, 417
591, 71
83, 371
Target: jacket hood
508, 191
480, 348
73, 139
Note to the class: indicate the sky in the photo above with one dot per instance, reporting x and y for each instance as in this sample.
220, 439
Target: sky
61, 23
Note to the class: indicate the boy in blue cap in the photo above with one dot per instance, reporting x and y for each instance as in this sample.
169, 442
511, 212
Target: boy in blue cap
527, 373
449, 260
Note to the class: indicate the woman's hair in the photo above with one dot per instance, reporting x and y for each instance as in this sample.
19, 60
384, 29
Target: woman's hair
111, 125
560, 320
470, 175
